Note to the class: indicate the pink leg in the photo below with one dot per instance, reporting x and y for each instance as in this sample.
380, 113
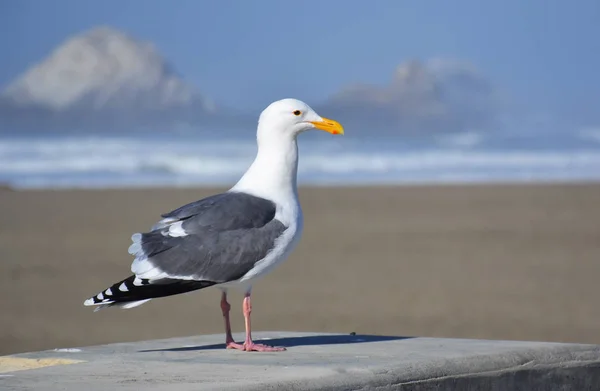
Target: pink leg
225, 308
249, 345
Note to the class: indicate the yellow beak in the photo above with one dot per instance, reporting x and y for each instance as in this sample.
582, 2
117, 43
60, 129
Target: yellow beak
329, 125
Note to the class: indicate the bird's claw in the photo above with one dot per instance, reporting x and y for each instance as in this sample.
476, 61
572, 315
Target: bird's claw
254, 347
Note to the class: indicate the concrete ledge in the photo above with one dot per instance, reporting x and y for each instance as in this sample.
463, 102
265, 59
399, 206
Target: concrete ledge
312, 362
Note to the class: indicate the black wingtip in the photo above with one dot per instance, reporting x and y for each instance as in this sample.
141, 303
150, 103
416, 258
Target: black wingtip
133, 289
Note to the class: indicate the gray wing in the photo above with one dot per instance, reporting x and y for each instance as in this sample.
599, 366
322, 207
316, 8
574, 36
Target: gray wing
218, 239
225, 211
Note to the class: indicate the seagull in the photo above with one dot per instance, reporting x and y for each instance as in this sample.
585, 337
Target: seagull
231, 239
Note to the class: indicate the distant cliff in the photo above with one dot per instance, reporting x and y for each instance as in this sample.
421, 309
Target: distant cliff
100, 78
433, 96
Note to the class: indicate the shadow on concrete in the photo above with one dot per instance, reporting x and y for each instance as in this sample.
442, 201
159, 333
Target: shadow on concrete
294, 341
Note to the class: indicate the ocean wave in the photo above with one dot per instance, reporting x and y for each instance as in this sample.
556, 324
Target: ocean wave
218, 164
163, 162
120, 156
98, 162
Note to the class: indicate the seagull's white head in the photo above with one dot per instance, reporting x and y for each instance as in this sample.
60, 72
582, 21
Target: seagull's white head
272, 175
290, 117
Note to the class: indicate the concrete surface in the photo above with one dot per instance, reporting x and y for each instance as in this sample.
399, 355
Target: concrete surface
312, 361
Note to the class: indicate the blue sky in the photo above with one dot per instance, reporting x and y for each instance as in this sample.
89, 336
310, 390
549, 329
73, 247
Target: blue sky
543, 54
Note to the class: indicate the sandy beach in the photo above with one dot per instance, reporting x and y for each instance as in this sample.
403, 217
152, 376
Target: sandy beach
499, 262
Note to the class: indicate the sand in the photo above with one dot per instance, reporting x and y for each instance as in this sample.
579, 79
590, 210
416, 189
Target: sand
515, 262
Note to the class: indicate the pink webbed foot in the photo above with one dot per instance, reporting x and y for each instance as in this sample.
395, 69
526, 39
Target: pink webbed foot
256, 347
253, 347
233, 345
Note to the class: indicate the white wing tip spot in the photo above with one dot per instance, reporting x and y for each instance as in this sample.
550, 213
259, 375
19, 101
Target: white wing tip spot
135, 248
176, 230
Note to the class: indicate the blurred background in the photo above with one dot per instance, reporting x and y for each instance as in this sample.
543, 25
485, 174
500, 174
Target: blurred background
464, 195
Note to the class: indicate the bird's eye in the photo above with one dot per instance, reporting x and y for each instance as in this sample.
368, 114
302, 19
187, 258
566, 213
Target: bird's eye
297, 112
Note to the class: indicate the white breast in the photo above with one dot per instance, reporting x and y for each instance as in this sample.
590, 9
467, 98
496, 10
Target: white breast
272, 176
